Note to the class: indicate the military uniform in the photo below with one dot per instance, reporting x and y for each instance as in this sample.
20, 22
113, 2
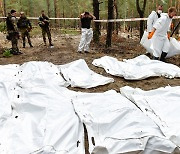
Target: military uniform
24, 26
44, 24
13, 34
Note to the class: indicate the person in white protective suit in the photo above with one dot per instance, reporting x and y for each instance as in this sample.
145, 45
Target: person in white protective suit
153, 17
86, 31
160, 34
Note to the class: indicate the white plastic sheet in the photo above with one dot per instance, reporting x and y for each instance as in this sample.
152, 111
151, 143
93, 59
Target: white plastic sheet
40, 73
8, 81
115, 125
174, 47
78, 74
146, 43
43, 121
40, 116
137, 68
161, 105
173, 50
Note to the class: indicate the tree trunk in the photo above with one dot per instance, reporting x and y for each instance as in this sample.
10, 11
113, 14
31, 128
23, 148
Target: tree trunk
4, 6
117, 15
48, 7
55, 10
31, 12
141, 14
110, 24
96, 32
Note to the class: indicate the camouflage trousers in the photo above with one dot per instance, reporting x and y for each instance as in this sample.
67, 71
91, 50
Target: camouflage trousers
46, 30
14, 40
24, 34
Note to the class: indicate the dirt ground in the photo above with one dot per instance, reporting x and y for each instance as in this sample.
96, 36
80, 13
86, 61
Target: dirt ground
65, 51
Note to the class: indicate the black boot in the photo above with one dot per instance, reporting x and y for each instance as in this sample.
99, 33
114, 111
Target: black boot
163, 55
24, 45
30, 45
14, 52
50, 44
155, 58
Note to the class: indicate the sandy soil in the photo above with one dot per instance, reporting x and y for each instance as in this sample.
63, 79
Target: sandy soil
65, 51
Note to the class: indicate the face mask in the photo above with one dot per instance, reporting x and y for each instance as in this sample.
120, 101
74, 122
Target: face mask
159, 11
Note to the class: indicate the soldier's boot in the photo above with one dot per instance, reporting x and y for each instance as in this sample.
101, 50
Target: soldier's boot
24, 45
30, 44
44, 39
15, 52
50, 43
163, 55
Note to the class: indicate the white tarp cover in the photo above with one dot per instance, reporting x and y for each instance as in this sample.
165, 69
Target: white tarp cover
137, 68
35, 115
38, 116
161, 105
118, 126
42, 121
173, 50
78, 74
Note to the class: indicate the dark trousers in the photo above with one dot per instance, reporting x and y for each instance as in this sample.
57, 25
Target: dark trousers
25, 34
46, 30
14, 41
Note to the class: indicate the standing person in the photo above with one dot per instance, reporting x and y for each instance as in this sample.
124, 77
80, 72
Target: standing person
25, 27
153, 17
13, 34
44, 24
160, 34
86, 31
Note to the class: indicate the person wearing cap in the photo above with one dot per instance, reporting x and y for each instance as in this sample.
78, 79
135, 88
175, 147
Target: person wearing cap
86, 31
44, 24
153, 17
13, 33
25, 27
160, 35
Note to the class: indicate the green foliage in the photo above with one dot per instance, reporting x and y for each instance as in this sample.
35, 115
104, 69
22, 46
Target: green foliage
73, 8
7, 53
2, 26
70, 31
35, 31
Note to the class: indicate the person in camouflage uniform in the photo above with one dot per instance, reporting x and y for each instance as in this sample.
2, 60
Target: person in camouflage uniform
13, 34
25, 27
44, 24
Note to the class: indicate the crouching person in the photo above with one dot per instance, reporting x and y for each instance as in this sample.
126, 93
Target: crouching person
25, 27
161, 34
13, 34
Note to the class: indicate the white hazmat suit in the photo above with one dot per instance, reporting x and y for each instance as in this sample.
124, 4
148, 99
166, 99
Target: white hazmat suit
153, 17
160, 41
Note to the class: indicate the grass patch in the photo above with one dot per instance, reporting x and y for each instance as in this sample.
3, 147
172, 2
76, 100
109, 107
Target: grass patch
7, 53
2, 26
36, 31
70, 31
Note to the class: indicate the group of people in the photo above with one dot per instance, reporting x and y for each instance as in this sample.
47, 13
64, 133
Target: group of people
23, 26
158, 27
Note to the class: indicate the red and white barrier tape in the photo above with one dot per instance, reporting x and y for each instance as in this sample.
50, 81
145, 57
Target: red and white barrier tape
111, 20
